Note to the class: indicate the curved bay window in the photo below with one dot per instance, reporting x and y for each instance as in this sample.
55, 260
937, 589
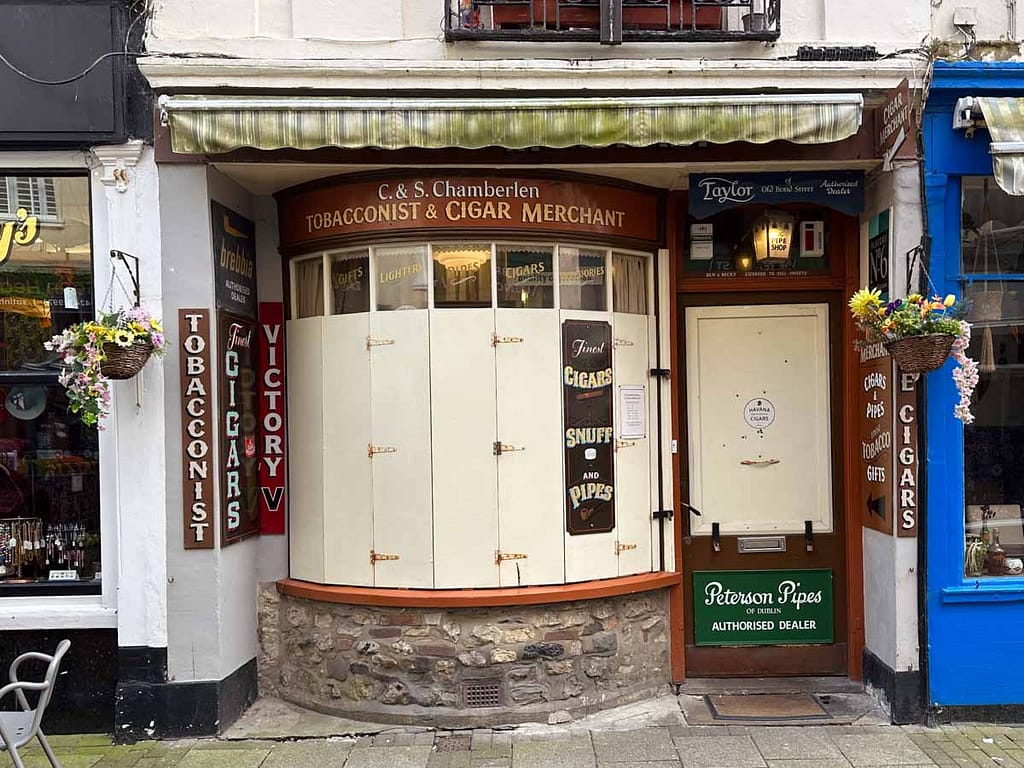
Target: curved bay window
49, 481
429, 413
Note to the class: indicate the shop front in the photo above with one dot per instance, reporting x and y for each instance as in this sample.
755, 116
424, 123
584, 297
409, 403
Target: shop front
472, 414
765, 364
60, 216
557, 434
975, 547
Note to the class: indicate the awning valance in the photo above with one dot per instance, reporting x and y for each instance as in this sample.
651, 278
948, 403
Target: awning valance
215, 124
1004, 117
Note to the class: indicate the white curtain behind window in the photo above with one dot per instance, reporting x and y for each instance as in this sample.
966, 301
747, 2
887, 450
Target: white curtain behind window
629, 284
309, 287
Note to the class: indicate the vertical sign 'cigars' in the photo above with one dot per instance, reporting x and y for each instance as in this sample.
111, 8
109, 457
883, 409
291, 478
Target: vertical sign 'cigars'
273, 462
196, 428
906, 455
238, 426
589, 433
875, 406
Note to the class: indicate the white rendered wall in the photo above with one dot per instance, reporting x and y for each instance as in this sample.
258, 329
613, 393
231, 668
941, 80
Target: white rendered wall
412, 29
890, 562
211, 593
132, 456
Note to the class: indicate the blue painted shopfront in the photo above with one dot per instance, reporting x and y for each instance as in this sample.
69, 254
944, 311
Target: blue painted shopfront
975, 623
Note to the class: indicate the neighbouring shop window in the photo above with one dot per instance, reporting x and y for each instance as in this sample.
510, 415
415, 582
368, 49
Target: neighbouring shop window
49, 470
629, 283
308, 289
462, 276
33, 193
350, 282
582, 281
526, 277
401, 277
992, 259
787, 240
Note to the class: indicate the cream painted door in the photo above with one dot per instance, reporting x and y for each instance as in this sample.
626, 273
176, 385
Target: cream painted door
591, 555
347, 481
400, 421
530, 486
305, 449
760, 449
463, 417
633, 507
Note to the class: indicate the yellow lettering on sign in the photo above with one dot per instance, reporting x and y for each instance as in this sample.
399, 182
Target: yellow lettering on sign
23, 231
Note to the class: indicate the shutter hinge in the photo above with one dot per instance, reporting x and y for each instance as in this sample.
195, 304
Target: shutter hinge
500, 448
376, 557
500, 557
372, 450
661, 373
496, 339
662, 514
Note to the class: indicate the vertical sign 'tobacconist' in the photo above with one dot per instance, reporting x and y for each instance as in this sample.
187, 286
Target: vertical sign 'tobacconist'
196, 429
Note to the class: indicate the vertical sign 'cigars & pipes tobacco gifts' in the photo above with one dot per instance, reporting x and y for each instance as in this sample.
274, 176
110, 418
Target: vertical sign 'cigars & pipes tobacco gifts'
589, 433
238, 428
196, 428
875, 405
273, 462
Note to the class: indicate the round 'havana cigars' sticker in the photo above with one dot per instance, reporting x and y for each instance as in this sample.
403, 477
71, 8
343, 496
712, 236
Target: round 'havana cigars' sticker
759, 413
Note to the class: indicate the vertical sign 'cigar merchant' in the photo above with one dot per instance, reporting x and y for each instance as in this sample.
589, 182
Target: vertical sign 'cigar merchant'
589, 435
238, 423
196, 427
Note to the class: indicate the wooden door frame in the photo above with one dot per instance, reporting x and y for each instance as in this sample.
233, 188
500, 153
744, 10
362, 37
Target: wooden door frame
846, 242
814, 660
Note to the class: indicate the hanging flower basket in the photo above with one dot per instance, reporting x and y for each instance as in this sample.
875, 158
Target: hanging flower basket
920, 334
125, 362
113, 346
921, 354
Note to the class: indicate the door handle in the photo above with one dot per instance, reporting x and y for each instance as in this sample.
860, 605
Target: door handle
759, 462
691, 509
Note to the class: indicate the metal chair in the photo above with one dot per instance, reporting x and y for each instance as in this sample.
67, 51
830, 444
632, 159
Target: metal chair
19, 727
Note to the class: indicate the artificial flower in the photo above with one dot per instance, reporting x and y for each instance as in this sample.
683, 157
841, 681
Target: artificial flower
123, 337
865, 301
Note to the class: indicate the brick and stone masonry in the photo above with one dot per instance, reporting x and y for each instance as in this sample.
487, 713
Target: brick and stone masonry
420, 666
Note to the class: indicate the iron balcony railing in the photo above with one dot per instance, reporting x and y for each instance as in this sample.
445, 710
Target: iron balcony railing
612, 21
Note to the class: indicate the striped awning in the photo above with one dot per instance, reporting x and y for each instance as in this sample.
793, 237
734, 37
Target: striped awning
216, 124
1004, 117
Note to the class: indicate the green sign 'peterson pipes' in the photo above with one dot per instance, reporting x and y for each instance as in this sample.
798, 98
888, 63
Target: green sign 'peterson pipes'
763, 607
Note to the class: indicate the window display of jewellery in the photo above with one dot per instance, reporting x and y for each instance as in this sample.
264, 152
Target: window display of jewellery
32, 549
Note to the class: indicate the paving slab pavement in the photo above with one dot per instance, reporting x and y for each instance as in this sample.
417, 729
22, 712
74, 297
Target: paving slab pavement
653, 734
